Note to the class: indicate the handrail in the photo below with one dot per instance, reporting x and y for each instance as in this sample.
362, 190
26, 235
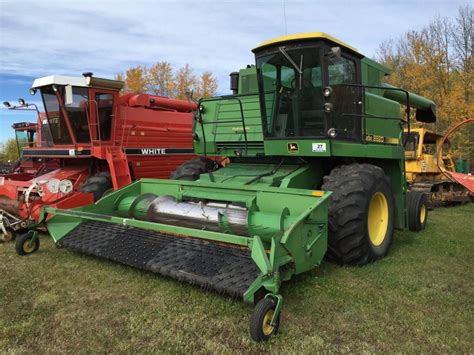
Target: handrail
242, 118
407, 110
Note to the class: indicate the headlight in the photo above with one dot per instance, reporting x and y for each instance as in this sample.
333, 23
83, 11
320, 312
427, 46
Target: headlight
53, 186
66, 186
327, 91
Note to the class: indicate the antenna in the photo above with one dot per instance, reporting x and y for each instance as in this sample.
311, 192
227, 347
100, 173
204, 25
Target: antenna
284, 17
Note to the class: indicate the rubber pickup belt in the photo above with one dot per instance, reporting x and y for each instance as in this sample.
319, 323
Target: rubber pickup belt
207, 264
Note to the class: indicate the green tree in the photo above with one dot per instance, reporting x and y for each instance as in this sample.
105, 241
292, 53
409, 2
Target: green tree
10, 151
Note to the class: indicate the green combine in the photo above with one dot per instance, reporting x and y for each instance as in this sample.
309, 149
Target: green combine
315, 168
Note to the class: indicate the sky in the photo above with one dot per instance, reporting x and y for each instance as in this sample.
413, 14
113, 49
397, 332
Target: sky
41, 38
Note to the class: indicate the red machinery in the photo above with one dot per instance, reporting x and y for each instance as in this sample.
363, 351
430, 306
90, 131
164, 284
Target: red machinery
92, 139
29, 135
466, 180
25, 136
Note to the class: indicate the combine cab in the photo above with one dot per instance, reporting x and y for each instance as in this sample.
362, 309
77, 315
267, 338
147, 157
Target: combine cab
314, 140
430, 169
25, 136
92, 140
30, 135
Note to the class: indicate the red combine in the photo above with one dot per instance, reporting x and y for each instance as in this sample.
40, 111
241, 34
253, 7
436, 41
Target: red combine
29, 135
92, 139
25, 136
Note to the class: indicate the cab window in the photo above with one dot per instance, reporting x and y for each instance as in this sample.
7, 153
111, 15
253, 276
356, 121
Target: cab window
76, 112
105, 106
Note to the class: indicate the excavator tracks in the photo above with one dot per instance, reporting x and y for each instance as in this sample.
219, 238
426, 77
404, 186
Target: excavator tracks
442, 194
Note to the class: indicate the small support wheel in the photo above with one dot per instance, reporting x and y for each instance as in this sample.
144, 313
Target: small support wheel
11, 235
27, 244
417, 211
261, 328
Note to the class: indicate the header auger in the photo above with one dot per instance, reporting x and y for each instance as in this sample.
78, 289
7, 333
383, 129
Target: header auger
314, 141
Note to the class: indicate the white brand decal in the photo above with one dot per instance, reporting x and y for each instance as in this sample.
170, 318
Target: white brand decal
153, 151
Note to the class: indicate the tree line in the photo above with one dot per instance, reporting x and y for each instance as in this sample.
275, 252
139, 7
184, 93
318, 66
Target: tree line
437, 62
161, 79
9, 151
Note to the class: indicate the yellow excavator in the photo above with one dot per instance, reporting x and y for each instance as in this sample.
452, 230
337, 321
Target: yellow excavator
430, 168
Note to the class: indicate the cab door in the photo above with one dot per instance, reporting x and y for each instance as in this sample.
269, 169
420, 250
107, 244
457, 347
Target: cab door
344, 116
103, 114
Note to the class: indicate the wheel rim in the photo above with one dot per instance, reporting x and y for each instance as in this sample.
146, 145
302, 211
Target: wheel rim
8, 237
422, 214
378, 218
28, 246
267, 327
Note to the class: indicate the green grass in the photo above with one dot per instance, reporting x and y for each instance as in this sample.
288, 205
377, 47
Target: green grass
418, 299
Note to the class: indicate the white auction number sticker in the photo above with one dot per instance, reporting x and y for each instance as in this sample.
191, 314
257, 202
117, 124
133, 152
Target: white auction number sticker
319, 147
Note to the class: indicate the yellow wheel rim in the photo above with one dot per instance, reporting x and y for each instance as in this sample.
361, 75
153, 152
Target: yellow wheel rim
28, 246
378, 218
266, 326
422, 214
8, 237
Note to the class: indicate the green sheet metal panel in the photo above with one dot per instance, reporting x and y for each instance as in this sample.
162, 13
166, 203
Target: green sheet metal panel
224, 128
386, 117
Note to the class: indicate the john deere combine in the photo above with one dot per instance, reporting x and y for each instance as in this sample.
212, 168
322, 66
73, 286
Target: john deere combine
316, 169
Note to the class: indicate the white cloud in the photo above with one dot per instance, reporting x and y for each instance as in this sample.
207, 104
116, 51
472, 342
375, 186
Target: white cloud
39, 38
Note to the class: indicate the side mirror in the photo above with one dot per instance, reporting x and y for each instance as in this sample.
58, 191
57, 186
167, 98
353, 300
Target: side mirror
68, 99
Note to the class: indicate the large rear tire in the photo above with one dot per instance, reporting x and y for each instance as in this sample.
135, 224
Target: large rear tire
97, 184
192, 169
361, 214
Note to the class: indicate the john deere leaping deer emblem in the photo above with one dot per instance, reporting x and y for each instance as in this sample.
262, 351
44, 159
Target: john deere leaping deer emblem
293, 147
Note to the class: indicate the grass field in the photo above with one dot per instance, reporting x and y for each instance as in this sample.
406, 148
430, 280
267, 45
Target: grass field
419, 299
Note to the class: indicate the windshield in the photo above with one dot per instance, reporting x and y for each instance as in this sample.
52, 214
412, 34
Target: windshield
412, 142
25, 139
56, 120
411, 145
76, 113
293, 101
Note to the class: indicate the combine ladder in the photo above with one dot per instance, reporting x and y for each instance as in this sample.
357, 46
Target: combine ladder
118, 164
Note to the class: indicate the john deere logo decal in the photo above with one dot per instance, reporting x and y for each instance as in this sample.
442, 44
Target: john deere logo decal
293, 147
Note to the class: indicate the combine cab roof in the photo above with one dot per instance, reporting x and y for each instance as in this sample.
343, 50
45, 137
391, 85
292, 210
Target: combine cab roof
24, 125
59, 80
304, 36
88, 81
